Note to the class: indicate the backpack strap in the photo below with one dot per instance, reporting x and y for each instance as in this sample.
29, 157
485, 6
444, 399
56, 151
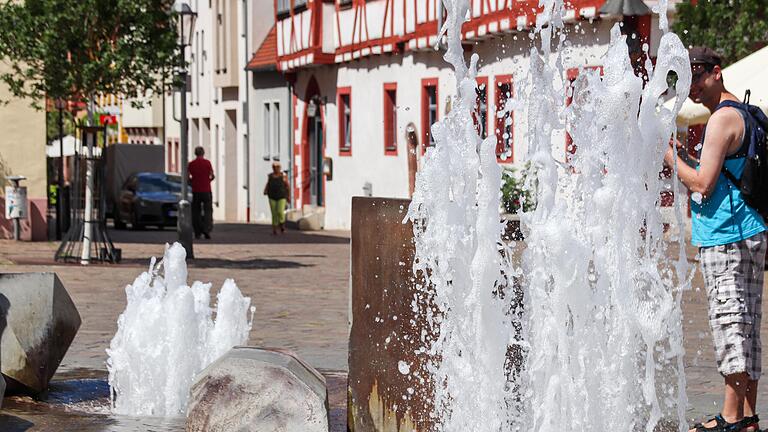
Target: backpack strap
729, 175
745, 116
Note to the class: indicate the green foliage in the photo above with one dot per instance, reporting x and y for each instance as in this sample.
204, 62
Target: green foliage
52, 124
734, 28
517, 190
77, 49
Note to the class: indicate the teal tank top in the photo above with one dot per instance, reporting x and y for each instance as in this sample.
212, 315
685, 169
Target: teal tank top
724, 217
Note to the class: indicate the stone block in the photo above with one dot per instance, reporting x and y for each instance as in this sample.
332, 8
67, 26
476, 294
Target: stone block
39, 322
313, 219
253, 389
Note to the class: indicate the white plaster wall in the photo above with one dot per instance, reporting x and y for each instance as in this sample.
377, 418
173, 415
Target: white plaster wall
267, 87
388, 175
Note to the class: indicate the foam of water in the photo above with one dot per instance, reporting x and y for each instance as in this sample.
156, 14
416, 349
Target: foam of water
168, 333
597, 333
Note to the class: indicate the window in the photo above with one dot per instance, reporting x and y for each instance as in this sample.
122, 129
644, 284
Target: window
480, 116
283, 7
345, 121
390, 119
428, 111
276, 130
203, 53
504, 120
267, 133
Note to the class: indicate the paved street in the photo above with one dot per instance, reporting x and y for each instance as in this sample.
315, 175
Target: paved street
299, 285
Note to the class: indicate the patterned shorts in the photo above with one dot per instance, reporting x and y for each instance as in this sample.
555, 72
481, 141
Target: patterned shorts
733, 276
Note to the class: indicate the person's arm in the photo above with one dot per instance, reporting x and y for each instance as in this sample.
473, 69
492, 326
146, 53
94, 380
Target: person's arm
211, 177
723, 129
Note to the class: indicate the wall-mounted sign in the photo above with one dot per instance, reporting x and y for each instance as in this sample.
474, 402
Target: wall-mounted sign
15, 202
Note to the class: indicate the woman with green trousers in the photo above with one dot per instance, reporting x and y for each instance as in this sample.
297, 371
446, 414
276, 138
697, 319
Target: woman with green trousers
276, 190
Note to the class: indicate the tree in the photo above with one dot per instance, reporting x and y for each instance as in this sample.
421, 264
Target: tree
734, 28
78, 49
52, 124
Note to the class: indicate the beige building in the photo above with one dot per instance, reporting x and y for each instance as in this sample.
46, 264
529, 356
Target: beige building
22, 152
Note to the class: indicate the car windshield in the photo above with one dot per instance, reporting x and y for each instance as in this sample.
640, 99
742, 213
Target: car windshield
158, 184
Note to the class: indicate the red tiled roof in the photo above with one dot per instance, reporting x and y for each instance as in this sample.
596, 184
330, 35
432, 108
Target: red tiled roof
266, 56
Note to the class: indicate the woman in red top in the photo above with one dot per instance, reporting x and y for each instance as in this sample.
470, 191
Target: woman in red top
201, 176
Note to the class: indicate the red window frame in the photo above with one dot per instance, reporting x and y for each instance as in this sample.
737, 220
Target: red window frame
571, 74
389, 96
426, 126
344, 150
477, 113
500, 100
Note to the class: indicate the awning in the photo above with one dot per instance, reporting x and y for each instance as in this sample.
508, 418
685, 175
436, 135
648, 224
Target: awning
71, 145
625, 7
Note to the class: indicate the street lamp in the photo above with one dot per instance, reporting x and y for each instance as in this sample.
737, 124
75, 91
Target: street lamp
60, 104
186, 26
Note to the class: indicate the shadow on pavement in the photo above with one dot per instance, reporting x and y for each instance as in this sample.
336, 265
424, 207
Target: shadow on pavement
230, 233
245, 264
14, 424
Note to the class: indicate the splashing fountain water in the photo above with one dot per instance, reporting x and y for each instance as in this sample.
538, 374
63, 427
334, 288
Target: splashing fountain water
167, 334
597, 324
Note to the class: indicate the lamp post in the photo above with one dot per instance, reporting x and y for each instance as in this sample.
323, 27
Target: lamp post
60, 104
186, 25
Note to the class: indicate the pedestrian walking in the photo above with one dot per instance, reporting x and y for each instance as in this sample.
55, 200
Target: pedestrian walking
276, 190
201, 175
731, 238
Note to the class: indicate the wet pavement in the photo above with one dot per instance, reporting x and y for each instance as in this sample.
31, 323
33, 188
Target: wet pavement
299, 285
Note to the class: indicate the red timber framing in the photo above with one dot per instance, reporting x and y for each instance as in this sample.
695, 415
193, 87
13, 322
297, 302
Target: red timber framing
504, 89
344, 106
300, 36
373, 27
430, 110
480, 114
389, 105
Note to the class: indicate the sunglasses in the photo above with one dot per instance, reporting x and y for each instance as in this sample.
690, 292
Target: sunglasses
699, 74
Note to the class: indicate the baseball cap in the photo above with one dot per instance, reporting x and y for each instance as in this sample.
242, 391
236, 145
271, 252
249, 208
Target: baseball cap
704, 55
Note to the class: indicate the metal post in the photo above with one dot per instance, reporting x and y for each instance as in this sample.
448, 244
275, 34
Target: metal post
60, 189
184, 217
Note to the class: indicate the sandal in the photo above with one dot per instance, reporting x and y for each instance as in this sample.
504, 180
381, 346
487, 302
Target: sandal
751, 422
722, 425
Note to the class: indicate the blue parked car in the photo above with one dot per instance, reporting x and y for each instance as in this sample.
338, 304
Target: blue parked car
148, 198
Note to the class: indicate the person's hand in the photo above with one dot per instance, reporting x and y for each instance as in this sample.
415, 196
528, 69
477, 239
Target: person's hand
676, 144
669, 156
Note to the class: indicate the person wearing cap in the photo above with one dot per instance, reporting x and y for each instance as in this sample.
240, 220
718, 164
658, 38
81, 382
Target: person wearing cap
276, 190
731, 237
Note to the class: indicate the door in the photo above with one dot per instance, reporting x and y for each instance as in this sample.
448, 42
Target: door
230, 165
316, 155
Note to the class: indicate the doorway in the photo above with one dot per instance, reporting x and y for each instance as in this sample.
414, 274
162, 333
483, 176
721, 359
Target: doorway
230, 165
315, 139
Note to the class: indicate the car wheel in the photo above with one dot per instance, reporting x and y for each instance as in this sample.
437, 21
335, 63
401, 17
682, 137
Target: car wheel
135, 221
119, 224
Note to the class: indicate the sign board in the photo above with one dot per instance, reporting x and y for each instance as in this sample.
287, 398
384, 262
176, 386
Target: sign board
108, 119
15, 202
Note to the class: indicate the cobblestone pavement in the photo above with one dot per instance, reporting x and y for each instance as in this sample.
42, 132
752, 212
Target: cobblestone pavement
299, 285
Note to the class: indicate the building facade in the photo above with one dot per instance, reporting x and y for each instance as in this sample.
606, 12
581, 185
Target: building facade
366, 79
22, 152
269, 115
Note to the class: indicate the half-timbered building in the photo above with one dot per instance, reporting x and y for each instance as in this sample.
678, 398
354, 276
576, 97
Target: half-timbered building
368, 82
